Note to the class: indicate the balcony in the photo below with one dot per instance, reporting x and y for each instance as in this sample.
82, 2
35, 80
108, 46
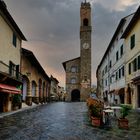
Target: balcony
8, 72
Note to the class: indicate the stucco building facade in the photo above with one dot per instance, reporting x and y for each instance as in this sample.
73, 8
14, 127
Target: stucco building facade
10, 59
36, 83
111, 70
118, 72
54, 89
132, 59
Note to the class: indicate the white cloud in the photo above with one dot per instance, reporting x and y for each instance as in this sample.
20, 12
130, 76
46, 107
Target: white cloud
117, 5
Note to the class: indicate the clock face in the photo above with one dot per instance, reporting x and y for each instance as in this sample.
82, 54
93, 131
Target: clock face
86, 45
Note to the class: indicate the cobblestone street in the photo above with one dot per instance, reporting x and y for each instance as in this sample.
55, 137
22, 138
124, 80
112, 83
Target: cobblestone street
62, 121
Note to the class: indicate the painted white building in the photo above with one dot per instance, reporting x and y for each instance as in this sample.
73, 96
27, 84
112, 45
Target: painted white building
111, 70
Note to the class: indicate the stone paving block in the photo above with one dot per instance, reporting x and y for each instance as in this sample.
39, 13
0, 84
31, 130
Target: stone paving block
63, 121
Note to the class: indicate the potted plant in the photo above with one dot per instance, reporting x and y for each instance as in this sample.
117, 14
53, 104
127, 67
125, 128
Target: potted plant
16, 101
123, 121
96, 114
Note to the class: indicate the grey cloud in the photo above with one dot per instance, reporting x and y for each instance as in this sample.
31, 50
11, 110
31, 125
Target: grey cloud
52, 28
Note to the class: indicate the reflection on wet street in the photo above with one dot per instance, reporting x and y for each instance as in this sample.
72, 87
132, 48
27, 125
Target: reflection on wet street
57, 121
51, 121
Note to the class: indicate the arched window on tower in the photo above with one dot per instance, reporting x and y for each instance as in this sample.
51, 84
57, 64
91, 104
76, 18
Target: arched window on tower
73, 80
74, 69
85, 22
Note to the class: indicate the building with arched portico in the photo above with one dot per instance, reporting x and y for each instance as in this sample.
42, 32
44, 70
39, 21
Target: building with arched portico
36, 83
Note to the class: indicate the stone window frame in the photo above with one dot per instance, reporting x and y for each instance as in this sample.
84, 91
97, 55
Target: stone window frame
73, 80
74, 69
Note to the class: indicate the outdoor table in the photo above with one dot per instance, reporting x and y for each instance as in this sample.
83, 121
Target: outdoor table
115, 108
106, 117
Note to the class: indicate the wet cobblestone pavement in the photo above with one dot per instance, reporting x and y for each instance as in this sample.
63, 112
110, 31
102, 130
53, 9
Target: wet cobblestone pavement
62, 121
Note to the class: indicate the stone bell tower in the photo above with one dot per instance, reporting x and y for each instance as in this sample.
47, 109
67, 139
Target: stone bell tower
78, 70
85, 50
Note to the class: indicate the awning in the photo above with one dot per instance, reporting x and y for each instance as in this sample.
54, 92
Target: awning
119, 91
136, 80
9, 89
116, 91
112, 91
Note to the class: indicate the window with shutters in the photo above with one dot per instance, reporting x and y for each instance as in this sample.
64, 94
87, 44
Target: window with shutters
117, 56
119, 73
12, 69
123, 71
110, 64
132, 41
14, 40
138, 62
17, 71
121, 50
116, 76
135, 65
129, 68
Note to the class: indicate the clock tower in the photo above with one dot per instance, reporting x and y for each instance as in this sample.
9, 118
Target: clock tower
78, 70
85, 50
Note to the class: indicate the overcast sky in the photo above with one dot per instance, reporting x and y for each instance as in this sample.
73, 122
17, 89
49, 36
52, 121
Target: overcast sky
52, 29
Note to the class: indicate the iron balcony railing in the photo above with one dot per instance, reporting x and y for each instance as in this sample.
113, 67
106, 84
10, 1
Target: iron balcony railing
13, 72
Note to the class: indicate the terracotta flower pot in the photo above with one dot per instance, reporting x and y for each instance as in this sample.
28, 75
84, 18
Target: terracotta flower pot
123, 123
96, 121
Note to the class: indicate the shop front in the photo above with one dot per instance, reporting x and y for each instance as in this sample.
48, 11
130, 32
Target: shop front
7, 94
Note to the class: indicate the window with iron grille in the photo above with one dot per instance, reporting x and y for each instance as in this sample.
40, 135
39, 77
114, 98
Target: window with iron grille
123, 71
116, 76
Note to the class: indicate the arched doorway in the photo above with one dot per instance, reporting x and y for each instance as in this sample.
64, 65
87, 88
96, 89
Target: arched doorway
40, 90
75, 95
121, 94
43, 88
34, 85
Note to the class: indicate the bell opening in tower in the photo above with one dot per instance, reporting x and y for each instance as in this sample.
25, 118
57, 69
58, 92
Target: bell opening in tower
85, 22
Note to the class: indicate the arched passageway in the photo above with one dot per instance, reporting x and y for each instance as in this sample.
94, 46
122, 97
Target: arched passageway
75, 95
40, 88
25, 89
34, 85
